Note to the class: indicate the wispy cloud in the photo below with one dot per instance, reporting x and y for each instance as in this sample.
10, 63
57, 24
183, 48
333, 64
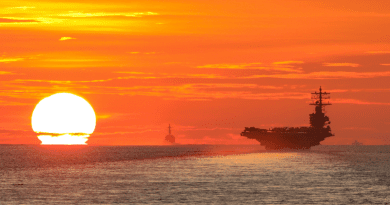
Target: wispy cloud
386, 64
208, 92
231, 85
17, 20
102, 116
285, 66
146, 53
101, 14
357, 102
194, 91
16, 132
134, 73
325, 75
22, 7
287, 62
341, 64
66, 38
358, 128
61, 81
142, 75
378, 52
234, 66
210, 76
8, 60
36, 89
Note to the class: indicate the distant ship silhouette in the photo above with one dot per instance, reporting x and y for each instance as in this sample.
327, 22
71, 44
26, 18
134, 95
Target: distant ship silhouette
170, 138
280, 138
357, 143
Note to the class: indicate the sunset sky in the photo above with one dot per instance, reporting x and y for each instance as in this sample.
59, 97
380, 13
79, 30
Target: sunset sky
208, 68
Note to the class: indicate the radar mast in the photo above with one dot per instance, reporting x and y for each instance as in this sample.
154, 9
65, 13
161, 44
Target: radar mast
318, 119
318, 97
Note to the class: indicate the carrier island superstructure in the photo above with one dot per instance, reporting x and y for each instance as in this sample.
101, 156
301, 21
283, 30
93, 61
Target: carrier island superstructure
170, 138
280, 138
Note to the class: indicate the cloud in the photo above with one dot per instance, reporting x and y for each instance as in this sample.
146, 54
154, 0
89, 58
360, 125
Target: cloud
14, 92
134, 73
338, 91
207, 92
15, 20
378, 52
103, 14
181, 90
341, 64
371, 90
194, 91
358, 128
325, 75
210, 76
357, 102
7, 60
5, 73
287, 62
147, 53
231, 85
16, 132
386, 64
103, 116
233, 66
66, 38
285, 66
142, 75
22, 7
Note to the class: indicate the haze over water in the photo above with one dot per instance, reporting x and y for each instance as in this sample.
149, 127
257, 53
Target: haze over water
193, 174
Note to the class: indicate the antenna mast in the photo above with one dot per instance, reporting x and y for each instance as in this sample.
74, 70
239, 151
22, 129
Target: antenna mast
318, 97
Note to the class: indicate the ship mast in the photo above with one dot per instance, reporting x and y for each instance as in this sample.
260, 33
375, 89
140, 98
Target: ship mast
319, 97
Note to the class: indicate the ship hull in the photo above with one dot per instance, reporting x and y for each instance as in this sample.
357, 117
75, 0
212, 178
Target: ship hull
273, 140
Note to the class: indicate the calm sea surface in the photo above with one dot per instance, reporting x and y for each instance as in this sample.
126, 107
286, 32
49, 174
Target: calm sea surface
193, 174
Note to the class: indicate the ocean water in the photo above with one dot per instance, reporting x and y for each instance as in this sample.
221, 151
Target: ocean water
193, 174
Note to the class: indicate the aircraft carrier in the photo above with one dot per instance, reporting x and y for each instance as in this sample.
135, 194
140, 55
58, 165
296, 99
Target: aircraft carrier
297, 138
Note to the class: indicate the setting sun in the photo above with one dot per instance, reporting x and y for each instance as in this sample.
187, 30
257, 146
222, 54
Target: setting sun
63, 118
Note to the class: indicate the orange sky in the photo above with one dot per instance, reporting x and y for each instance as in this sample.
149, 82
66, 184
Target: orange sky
210, 68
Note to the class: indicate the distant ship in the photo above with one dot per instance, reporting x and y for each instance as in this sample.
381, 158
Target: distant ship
170, 138
357, 143
280, 138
